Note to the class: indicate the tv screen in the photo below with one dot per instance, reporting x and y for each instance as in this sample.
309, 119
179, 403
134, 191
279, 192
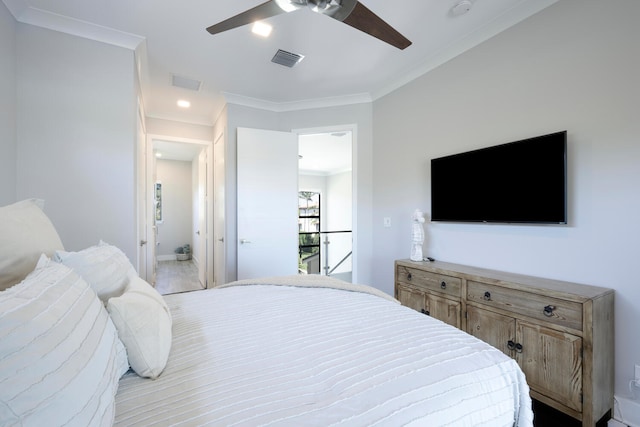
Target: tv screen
519, 182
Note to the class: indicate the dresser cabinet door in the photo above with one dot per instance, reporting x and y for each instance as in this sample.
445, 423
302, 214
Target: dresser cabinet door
552, 362
443, 309
492, 328
432, 305
410, 297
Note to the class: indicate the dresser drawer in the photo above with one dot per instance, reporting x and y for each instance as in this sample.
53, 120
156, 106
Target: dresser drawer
430, 281
537, 306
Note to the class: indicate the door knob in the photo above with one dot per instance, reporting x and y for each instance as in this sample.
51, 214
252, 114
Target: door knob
143, 242
243, 241
221, 239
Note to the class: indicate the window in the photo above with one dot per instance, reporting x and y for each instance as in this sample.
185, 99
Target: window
157, 197
309, 232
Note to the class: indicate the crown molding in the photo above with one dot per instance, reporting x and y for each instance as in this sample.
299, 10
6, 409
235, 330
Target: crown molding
280, 107
26, 14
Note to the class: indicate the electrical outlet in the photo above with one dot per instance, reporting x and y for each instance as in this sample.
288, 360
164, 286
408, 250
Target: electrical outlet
637, 374
387, 222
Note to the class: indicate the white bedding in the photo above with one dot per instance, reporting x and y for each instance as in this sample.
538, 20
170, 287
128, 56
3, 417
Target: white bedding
277, 355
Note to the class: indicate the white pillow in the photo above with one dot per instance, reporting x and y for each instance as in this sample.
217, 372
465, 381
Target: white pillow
25, 233
60, 358
143, 321
104, 267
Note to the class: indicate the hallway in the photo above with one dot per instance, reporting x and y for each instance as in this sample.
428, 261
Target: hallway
177, 276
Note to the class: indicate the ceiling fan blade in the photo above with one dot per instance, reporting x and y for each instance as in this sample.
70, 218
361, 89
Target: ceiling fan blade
263, 11
365, 20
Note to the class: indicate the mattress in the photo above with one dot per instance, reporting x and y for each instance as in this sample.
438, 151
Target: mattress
259, 354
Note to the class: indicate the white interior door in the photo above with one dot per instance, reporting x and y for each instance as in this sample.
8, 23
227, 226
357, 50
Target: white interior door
141, 184
152, 230
202, 216
219, 247
267, 172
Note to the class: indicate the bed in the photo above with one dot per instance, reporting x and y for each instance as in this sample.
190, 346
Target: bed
285, 351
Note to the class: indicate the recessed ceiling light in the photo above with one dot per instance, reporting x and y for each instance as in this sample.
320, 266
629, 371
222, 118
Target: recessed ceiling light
158, 154
261, 29
184, 104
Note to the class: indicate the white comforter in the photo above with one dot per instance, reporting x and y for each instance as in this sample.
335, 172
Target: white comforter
315, 356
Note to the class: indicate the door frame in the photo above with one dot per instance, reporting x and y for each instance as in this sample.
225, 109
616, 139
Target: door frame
150, 181
353, 128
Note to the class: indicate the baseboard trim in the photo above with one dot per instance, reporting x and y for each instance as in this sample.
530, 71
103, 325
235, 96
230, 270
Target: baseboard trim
166, 257
626, 411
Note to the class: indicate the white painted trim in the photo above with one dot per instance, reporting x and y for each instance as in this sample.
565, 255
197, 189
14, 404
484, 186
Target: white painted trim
279, 107
195, 120
53, 21
627, 411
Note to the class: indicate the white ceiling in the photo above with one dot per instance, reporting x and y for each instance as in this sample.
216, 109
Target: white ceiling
325, 153
342, 65
172, 150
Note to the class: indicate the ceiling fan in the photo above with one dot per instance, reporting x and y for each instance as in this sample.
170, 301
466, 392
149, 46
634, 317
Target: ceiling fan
351, 12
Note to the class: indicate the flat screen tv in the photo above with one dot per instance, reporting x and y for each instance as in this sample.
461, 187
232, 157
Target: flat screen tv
519, 182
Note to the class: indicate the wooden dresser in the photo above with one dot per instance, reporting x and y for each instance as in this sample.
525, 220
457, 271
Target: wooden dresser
560, 333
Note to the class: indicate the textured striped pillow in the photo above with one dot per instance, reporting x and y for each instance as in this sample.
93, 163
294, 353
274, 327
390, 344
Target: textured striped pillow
25, 233
143, 321
104, 267
60, 357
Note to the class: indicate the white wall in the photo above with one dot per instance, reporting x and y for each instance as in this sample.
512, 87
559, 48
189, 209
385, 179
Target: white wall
197, 204
177, 206
76, 127
338, 207
339, 202
7, 107
573, 66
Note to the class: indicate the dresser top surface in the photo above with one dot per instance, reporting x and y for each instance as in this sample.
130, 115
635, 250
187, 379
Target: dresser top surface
513, 279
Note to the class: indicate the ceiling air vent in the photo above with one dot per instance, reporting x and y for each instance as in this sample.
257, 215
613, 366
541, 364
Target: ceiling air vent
185, 82
287, 59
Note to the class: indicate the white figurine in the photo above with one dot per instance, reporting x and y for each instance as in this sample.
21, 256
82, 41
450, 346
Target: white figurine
417, 235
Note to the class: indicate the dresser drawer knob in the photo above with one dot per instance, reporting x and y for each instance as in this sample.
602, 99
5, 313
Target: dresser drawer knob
423, 311
443, 285
511, 345
548, 310
487, 296
408, 276
518, 348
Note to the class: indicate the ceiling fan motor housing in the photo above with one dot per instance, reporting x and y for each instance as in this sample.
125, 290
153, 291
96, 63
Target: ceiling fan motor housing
337, 9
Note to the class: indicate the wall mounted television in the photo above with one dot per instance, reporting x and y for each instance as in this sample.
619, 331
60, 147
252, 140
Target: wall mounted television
519, 182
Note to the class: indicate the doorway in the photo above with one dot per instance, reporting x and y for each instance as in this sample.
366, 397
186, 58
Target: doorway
178, 253
268, 230
325, 203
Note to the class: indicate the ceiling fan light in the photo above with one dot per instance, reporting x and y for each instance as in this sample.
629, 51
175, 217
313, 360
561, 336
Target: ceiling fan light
290, 5
262, 29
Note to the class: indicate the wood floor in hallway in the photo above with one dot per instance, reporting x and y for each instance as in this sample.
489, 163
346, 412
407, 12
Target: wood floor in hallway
177, 276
